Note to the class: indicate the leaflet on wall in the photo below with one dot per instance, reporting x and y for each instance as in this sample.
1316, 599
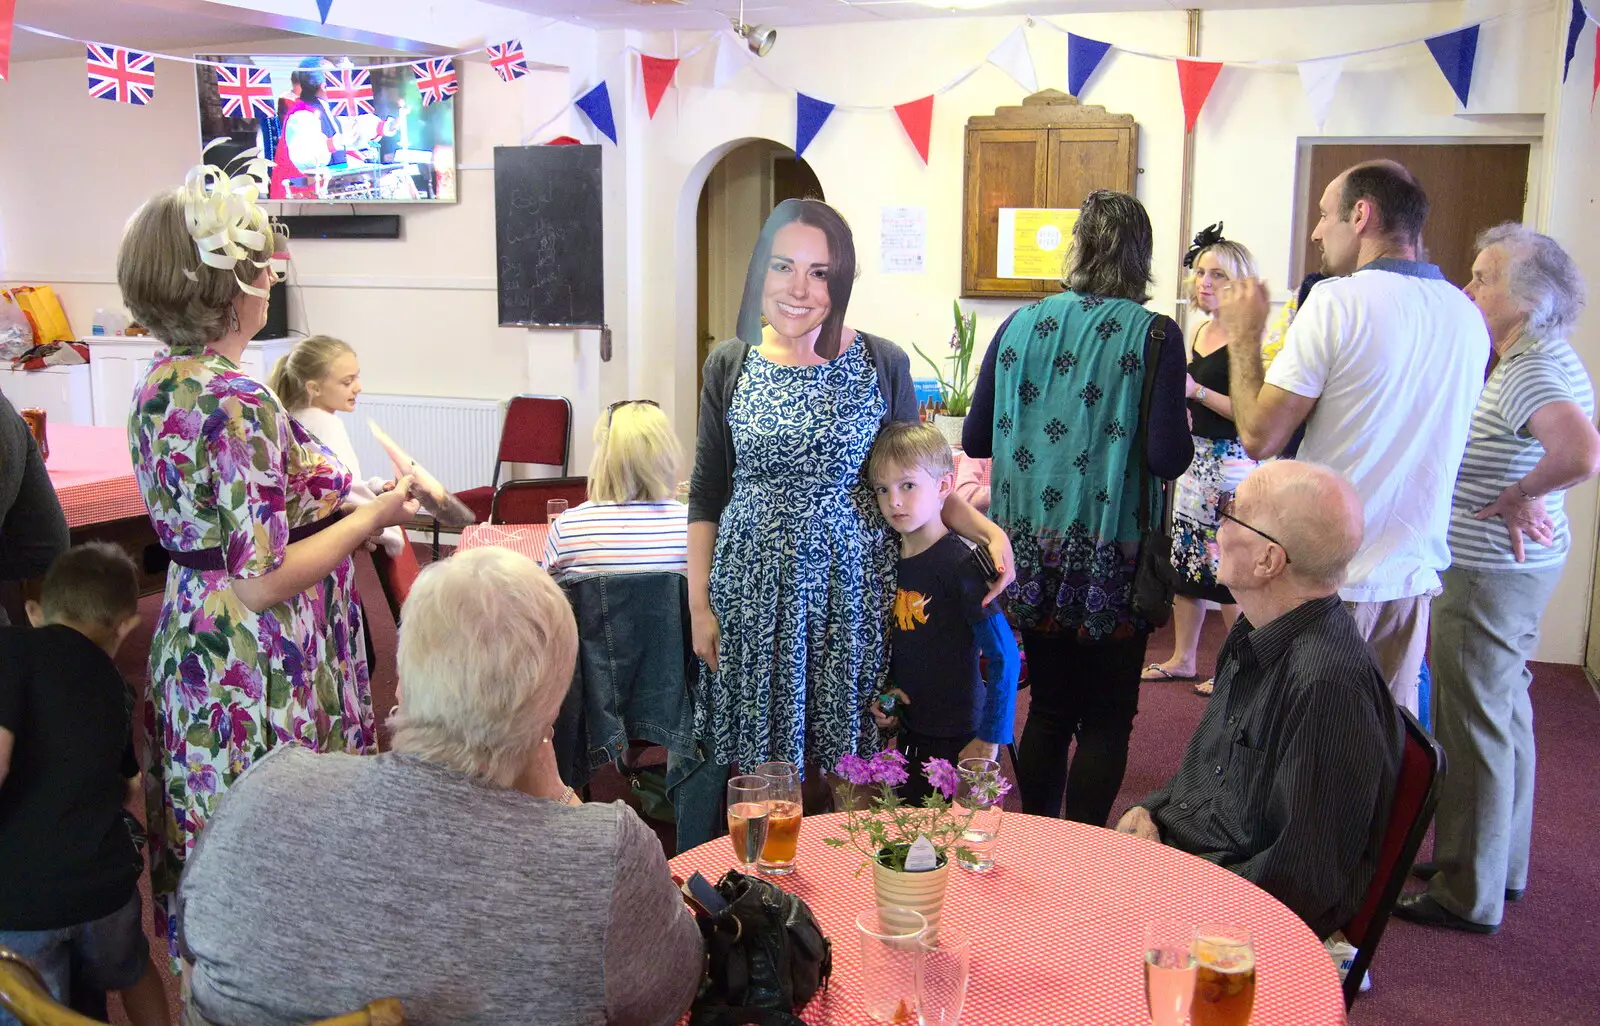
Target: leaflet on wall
904, 239
1033, 242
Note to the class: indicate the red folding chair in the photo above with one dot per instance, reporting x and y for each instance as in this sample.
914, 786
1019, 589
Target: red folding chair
537, 429
396, 575
523, 501
1416, 794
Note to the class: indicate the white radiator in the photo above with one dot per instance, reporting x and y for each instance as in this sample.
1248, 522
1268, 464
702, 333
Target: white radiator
456, 439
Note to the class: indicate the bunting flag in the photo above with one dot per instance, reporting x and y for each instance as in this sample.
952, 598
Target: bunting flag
121, 75
8, 14
508, 60
322, 9
1574, 29
658, 72
1012, 57
348, 92
1195, 79
732, 56
1083, 56
1455, 52
436, 79
916, 118
809, 115
246, 91
596, 103
1320, 79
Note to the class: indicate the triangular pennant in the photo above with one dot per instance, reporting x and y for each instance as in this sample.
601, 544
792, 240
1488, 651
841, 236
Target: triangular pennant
1013, 58
8, 14
1574, 29
322, 9
1195, 79
809, 115
1319, 79
1083, 56
1455, 52
916, 118
596, 103
658, 72
732, 56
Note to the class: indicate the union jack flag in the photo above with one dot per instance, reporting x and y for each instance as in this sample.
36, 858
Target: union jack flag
510, 63
348, 92
121, 75
246, 91
436, 79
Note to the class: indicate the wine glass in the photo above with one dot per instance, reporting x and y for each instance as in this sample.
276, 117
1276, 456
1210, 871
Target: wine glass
747, 817
1169, 973
783, 817
1225, 982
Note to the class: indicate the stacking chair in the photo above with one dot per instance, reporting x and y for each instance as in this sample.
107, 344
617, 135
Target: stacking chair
537, 429
396, 575
1416, 795
523, 501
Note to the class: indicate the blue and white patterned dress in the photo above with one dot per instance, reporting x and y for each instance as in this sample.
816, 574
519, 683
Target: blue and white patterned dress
804, 569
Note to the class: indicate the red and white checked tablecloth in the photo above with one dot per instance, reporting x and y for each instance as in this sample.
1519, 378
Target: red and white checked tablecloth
1057, 927
527, 539
92, 470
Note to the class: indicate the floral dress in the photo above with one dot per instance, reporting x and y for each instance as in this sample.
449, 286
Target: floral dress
221, 464
803, 575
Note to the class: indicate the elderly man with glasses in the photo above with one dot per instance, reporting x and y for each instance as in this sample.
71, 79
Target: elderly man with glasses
1288, 778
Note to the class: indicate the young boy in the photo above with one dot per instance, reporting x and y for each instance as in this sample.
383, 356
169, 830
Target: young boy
70, 898
943, 706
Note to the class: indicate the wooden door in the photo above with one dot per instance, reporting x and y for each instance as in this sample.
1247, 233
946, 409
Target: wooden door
1470, 187
1005, 168
1085, 159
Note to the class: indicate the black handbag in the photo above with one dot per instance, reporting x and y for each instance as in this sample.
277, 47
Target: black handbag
765, 956
1153, 576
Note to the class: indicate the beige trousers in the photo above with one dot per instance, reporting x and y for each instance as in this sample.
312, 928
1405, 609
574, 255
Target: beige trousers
1397, 630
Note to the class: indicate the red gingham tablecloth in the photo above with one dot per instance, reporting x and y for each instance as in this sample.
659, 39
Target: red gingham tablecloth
527, 539
92, 470
1057, 927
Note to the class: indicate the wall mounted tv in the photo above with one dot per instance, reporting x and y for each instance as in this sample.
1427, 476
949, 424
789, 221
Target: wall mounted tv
337, 129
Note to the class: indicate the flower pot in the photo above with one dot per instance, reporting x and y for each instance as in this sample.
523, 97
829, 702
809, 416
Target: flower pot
921, 892
949, 427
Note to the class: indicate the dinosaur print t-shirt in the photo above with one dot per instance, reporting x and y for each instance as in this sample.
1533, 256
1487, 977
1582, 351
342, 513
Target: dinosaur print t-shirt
934, 658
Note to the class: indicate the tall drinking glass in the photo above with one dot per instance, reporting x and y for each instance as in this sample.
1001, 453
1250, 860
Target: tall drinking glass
891, 947
981, 797
783, 816
1225, 983
1169, 973
747, 818
942, 976
554, 508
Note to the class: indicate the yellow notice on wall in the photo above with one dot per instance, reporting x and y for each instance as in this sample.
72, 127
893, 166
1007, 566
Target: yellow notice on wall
1033, 242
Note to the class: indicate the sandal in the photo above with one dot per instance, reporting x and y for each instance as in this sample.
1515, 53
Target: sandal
1155, 671
1205, 687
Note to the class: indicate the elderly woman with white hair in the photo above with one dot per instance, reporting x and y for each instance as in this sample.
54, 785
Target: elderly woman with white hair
1532, 438
456, 871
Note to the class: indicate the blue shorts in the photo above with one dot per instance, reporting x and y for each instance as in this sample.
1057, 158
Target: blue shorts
110, 953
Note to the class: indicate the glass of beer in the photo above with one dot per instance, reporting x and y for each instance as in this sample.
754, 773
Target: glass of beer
747, 818
783, 816
1169, 973
1225, 981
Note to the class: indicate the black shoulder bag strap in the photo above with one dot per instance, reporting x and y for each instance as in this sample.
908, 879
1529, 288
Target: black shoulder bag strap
1154, 339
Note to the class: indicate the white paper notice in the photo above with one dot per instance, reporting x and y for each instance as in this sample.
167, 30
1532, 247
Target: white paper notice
921, 857
904, 239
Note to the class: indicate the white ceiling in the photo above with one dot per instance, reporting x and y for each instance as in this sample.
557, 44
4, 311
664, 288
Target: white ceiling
137, 24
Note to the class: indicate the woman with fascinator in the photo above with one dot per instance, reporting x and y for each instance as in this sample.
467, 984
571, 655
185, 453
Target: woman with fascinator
1220, 461
259, 638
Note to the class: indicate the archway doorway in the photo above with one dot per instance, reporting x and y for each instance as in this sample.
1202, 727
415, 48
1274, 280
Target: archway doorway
739, 193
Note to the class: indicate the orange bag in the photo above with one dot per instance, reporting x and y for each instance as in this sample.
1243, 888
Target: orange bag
44, 312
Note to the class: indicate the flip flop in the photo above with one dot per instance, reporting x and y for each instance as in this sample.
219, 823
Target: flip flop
1205, 687
1160, 673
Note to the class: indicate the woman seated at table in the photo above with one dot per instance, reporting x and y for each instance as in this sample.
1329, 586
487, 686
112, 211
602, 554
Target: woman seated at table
632, 522
455, 871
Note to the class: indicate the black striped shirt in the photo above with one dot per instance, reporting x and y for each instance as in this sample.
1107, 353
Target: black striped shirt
1288, 778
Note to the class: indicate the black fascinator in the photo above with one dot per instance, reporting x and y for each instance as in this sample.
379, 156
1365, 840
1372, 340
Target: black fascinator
1207, 237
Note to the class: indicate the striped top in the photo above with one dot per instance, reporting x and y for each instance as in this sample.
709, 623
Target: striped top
619, 537
1500, 450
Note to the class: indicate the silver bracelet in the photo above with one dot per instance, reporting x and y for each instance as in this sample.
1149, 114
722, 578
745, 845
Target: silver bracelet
566, 795
1522, 491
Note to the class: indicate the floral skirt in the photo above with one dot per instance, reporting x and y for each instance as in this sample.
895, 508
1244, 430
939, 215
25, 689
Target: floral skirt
1218, 468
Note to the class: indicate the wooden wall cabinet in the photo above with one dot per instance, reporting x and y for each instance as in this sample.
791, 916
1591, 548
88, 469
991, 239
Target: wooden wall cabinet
1049, 152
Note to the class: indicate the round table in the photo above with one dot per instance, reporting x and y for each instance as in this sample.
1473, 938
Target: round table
1057, 926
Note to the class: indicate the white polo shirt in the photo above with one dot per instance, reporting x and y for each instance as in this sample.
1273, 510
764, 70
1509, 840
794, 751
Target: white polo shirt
1394, 355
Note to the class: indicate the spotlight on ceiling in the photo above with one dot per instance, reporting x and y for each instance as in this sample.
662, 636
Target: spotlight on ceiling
759, 38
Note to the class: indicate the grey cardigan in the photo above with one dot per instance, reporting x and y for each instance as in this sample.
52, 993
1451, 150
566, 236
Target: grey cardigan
712, 481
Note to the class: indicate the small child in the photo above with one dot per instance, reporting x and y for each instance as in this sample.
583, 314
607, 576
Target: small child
70, 901
943, 706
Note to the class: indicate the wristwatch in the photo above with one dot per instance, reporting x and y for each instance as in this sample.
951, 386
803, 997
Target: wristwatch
1200, 393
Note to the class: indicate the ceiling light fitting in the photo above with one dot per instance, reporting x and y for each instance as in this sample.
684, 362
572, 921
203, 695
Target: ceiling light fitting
759, 38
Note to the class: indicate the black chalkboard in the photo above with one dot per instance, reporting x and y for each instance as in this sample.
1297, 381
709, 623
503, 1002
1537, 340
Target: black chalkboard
550, 268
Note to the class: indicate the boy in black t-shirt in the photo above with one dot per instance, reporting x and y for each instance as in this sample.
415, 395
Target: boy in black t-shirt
943, 706
70, 899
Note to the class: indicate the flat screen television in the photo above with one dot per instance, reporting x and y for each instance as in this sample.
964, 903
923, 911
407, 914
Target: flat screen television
337, 129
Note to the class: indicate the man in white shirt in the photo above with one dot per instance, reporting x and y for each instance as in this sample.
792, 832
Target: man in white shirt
1384, 367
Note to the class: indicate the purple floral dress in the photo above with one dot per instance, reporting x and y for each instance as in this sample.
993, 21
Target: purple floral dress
221, 464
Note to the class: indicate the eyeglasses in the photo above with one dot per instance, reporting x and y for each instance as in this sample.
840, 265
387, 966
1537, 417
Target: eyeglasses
627, 402
1225, 511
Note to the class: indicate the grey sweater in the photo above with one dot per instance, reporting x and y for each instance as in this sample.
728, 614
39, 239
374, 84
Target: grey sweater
323, 882
712, 481
33, 531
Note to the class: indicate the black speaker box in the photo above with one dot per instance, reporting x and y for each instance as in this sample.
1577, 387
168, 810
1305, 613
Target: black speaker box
342, 226
277, 313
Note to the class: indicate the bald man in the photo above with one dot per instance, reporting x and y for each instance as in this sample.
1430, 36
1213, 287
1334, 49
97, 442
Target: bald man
1288, 778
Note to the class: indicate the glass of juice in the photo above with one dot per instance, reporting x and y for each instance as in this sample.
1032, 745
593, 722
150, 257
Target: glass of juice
1225, 980
1169, 973
747, 818
783, 816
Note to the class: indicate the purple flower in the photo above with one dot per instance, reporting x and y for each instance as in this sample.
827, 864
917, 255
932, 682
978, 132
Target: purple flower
202, 775
943, 776
888, 767
193, 688
854, 769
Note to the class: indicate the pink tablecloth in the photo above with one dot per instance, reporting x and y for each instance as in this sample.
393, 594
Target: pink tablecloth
92, 471
1057, 927
527, 539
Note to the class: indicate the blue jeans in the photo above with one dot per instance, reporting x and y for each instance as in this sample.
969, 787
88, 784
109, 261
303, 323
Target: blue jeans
109, 952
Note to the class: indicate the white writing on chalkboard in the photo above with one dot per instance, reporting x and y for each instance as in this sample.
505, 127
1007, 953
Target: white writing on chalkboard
550, 266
